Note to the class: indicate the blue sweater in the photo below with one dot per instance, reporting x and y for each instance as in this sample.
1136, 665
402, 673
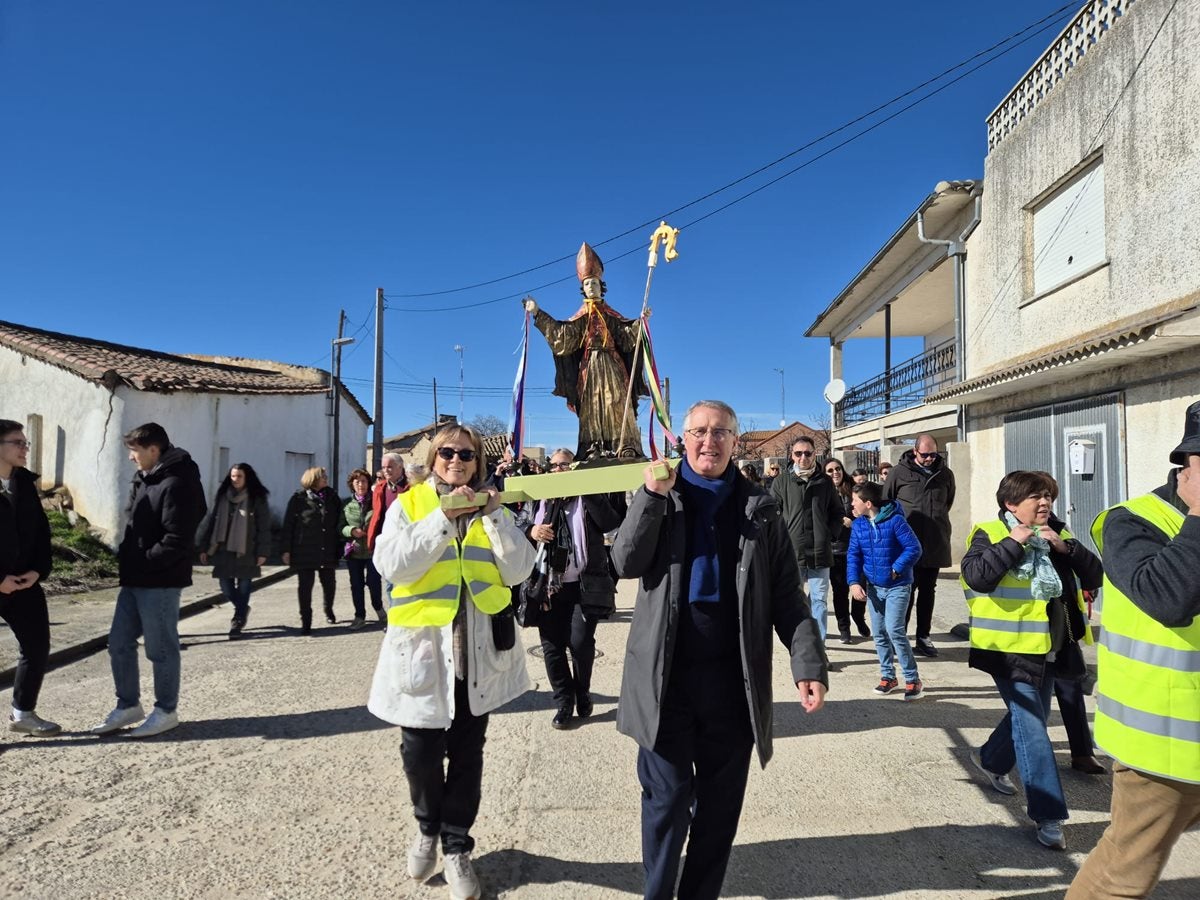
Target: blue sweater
881, 546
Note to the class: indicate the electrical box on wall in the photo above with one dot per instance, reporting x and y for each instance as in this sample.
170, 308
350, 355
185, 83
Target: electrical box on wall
1081, 455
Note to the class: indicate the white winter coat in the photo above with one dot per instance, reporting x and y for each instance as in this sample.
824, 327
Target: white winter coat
414, 678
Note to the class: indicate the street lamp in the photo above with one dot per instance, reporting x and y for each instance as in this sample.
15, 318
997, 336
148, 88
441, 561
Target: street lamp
459, 348
782, 414
335, 375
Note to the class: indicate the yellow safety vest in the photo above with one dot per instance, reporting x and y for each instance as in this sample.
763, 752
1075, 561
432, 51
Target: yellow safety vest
433, 598
1148, 692
1009, 618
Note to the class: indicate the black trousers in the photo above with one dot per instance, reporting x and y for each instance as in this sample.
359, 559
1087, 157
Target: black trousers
923, 586
304, 590
563, 626
1069, 692
445, 774
694, 780
26, 614
845, 609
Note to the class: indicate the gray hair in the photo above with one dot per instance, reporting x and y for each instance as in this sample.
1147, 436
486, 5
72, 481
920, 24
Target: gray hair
396, 457
719, 405
416, 472
570, 453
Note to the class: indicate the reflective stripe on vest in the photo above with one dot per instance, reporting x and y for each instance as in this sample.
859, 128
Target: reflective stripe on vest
1006, 618
433, 598
1148, 689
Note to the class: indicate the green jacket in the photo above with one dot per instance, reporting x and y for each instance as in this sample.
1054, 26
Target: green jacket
357, 515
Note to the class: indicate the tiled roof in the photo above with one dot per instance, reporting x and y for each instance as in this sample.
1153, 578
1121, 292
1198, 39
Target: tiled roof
406, 440
112, 364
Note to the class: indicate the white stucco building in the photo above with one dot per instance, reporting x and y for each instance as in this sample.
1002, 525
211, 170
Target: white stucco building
78, 396
1078, 318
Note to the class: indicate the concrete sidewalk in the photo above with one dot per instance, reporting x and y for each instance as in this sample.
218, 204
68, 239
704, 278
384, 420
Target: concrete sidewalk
279, 784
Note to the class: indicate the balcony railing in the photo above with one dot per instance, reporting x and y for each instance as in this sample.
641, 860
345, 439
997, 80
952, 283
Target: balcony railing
904, 387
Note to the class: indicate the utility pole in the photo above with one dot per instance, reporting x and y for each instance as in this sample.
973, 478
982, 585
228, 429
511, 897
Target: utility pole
335, 375
377, 414
459, 348
782, 406
435, 409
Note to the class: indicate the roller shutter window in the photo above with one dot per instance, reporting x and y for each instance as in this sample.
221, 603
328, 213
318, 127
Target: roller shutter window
1068, 230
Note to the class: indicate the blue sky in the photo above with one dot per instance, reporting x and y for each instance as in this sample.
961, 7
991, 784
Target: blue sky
223, 177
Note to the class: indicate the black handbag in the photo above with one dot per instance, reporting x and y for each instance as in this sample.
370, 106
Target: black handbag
531, 595
504, 632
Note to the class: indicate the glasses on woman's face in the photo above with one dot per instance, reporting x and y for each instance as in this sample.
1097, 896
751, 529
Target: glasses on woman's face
448, 453
559, 466
834, 470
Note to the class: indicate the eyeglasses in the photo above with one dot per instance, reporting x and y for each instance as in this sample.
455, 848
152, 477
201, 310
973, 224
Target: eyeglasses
562, 465
804, 453
717, 434
921, 455
448, 453
833, 470
24, 445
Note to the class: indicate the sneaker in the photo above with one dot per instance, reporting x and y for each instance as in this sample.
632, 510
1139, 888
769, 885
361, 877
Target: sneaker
422, 856
460, 875
925, 647
1001, 783
156, 723
1050, 834
886, 685
31, 723
357, 622
120, 718
914, 690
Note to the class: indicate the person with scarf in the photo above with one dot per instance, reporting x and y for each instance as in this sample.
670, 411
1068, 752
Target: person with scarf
357, 517
236, 537
845, 608
717, 576
1023, 575
572, 560
312, 542
450, 655
593, 358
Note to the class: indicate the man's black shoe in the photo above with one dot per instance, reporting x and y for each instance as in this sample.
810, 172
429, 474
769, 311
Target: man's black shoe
925, 648
584, 705
562, 719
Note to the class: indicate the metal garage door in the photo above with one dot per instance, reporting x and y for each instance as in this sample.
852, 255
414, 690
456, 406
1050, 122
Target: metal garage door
1038, 439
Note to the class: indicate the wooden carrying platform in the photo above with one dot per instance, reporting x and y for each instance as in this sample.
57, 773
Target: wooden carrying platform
572, 483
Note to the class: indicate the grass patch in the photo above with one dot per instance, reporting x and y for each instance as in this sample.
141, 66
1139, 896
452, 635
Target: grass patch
79, 557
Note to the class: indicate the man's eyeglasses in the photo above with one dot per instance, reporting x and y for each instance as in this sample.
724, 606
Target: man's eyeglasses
804, 453
448, 453
920, 455
24, 445
717, 434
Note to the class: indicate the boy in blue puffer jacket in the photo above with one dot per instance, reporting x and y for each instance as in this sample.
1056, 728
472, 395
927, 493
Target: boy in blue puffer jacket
879, 562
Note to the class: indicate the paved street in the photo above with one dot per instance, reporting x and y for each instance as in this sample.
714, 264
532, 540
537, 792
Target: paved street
280, 784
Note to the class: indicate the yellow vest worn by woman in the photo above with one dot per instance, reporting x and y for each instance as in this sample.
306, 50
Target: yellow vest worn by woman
433, 598
1009, 618
1148, 692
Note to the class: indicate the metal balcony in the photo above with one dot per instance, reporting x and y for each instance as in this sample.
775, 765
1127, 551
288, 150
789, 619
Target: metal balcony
904, 387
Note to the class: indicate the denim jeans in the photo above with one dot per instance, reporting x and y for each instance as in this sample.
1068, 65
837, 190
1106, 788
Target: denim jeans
238, 592
153, 613
887, 605
1021, 737
818, 589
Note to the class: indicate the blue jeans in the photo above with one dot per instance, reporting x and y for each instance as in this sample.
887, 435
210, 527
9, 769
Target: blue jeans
1021, 738
818, 590
153, 613
887, 606
238, 592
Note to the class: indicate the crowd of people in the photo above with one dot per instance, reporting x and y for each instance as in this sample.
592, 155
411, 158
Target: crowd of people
723, 561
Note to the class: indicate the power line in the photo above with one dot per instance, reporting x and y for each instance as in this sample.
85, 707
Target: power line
764, 186
811, 143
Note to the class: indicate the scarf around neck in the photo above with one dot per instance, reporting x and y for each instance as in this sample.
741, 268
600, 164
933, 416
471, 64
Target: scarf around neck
704, 497
1035, 566
230, 527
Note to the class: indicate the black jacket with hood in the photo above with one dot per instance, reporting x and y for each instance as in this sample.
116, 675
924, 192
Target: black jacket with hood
165, 507
24, 530
812, 513
926, 498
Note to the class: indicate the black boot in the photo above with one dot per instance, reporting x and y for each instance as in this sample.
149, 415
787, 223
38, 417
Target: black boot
236, 624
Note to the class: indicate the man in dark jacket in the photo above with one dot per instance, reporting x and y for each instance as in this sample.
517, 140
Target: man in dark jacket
924, 485
813, 515
166, 505
24, 562
717, 574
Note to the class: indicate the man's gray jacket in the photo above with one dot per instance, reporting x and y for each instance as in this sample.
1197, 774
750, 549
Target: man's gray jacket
651, 546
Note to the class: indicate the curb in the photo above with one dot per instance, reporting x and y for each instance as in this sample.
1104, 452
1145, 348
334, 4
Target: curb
75, 652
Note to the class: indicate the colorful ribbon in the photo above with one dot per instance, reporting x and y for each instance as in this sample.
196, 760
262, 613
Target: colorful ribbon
656, 397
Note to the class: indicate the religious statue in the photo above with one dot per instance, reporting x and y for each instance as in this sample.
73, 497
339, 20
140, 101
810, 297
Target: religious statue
594, 354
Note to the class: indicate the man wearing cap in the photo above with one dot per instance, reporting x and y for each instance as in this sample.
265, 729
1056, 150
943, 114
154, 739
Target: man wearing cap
1148, 692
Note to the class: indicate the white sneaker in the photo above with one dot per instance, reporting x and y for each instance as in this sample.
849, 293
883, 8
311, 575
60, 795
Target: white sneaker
156, 723
120, 718
1050, 834
422, 856
31, 723
460, 875
1001, 783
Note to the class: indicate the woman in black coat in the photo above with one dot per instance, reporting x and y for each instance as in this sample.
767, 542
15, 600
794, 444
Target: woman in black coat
24, 562
312, 541
844, 608
236, 535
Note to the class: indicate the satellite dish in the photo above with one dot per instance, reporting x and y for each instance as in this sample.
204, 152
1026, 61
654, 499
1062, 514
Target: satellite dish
835, 390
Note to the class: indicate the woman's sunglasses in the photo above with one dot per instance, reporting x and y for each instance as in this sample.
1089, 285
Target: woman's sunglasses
448, 453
